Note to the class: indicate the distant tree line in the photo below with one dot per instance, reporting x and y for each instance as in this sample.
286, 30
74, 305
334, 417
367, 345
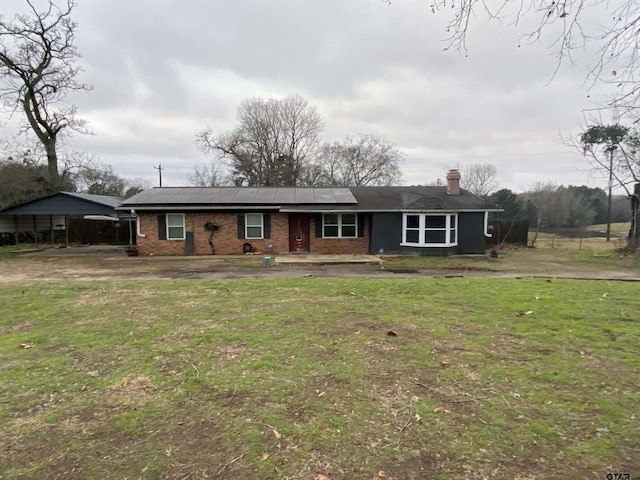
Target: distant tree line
24, 177
550, 206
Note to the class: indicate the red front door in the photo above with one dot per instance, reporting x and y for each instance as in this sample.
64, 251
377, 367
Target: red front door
298, 232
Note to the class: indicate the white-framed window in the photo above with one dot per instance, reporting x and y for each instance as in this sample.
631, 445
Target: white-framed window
175, 226
253, 225
430, 229
339, 225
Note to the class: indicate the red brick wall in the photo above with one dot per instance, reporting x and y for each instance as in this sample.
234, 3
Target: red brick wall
338, 246
226, 239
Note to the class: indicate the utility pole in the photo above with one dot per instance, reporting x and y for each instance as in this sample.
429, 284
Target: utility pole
159, 168
611, 149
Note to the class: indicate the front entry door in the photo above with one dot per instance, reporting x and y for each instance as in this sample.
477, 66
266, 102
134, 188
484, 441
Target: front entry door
298, 232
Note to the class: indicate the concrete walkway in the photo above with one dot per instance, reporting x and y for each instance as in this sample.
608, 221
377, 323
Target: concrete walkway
293, 259
326, 259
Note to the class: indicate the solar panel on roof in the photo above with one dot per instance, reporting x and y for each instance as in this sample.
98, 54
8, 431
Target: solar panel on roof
343, 195
209, 195
246, 195
304, 195
324, 195
284, 195
226, 195
265, 195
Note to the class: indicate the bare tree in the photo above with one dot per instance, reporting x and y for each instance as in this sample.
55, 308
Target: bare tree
314, 175
38, 70
135, 186
542, 196
479, 179
273, 142
362, 160
567, 26
99, 179
208, 174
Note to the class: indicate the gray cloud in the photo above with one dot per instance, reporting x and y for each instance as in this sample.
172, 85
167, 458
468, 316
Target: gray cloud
164, 69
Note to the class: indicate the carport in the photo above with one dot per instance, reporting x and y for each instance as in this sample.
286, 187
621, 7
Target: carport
51, 213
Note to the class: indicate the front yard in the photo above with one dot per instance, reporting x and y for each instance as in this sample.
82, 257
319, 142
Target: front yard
303, 378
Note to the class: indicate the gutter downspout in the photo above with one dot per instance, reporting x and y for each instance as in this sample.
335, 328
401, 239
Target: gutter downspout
486, 225
138, 233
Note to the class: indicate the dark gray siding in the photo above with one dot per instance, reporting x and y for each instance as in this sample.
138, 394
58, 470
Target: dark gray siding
471, 237
386, 234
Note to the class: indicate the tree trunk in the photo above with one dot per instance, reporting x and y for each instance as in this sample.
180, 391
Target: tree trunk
535, 235
52, 165
634, 234
213, 248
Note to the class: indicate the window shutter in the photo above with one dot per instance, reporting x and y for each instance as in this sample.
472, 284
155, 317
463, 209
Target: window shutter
361, 225
162, 227
266, 218
319, 225
241, 227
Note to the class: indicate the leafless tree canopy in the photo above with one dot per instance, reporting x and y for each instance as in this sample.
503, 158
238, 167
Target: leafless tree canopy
362, 160
566, 26
479, 179
37, 67
208, 174
273, 142
98, 179
542, 196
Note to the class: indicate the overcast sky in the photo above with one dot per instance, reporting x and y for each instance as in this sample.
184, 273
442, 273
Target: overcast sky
164, 69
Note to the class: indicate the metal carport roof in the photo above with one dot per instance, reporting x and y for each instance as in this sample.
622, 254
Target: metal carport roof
66, 203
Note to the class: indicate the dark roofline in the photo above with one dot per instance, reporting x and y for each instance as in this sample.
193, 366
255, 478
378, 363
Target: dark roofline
108, 201
190, 207
417, 199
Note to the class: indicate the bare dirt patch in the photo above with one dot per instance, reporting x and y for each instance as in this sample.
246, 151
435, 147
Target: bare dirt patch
109, 263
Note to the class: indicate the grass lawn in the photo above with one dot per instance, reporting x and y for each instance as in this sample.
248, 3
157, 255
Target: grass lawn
565, 256
621, 228
7, 251
299, 379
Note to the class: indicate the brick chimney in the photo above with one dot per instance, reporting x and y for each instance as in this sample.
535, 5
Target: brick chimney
453, 182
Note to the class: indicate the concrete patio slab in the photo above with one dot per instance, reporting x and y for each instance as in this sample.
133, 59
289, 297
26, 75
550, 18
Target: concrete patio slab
326, 259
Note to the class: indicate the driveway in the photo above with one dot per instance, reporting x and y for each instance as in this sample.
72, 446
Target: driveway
109, 263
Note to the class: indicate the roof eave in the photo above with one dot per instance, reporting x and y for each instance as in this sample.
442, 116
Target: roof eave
213, 208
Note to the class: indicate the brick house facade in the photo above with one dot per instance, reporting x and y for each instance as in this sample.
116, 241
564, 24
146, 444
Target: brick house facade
418, 220
226, 241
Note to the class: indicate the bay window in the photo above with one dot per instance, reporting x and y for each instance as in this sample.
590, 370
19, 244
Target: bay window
430, 229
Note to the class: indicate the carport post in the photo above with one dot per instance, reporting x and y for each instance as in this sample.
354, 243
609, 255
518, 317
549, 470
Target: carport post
15, 225
35, 230
66, 232
51, 228
130, 229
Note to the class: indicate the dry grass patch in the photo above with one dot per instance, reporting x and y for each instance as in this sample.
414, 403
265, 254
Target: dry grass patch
290, 379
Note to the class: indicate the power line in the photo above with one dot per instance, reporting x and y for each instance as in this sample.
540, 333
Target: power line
160, 169
492, 155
